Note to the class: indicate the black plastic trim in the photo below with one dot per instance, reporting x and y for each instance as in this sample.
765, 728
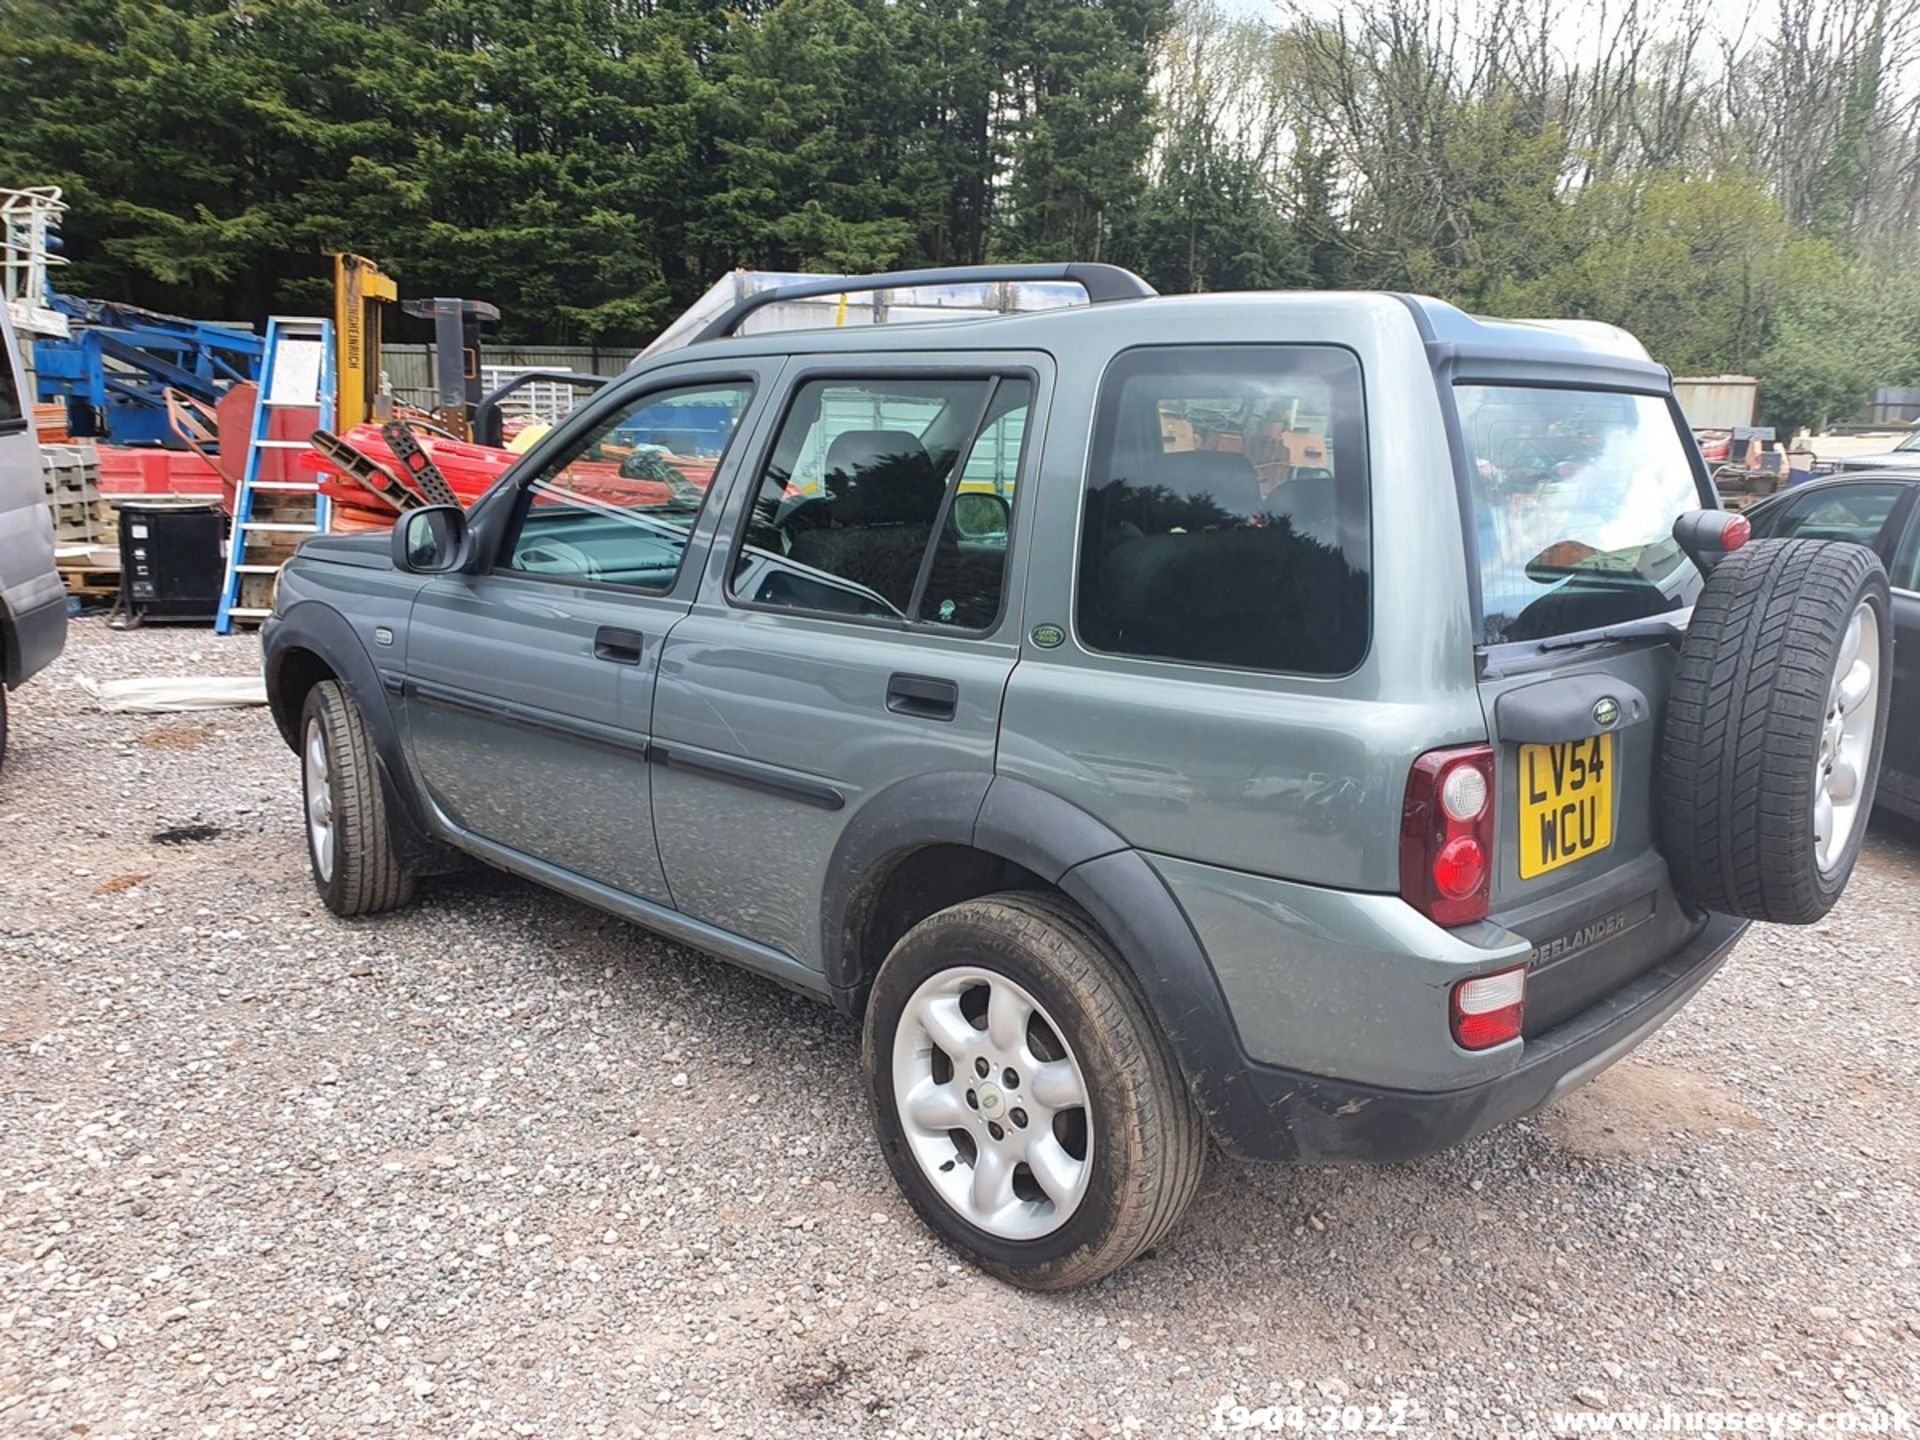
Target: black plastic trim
933, 809
1548, 712
539, 722
751, 774
33, 639
317, 628
1268, 1113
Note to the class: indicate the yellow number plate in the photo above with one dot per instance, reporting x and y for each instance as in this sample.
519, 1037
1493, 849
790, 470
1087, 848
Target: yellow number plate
1566, 803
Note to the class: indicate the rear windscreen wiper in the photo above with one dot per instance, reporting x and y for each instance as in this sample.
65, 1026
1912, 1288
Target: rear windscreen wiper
1660, 627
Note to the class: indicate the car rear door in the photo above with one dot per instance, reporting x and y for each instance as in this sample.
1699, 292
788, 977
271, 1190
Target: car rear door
856, 629
1571, 495
528, 686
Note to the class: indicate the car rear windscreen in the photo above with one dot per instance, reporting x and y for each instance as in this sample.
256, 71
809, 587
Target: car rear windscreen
1574, 495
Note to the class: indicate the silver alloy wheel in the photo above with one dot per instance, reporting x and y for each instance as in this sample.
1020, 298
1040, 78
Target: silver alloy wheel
1846, 738
1003, 1132
318, 777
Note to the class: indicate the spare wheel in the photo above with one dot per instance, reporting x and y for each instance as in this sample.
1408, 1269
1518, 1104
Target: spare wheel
1774, 729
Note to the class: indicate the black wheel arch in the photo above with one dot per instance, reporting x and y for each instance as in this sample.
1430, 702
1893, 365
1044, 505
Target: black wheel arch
312, 642
1040, 837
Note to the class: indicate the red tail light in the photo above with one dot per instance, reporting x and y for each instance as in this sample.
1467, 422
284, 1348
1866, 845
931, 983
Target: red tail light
1446, 835
1486, 1011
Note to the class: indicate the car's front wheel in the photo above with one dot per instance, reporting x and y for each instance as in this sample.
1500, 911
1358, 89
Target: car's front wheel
1024, 1099
348, 842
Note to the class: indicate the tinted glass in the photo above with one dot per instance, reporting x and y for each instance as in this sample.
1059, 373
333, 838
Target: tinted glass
1856, 513
1906, 556
1574, 497
889, 499
1227, 509
617, 509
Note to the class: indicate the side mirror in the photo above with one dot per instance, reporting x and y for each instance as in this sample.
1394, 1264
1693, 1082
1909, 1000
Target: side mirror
431, 541
978, 514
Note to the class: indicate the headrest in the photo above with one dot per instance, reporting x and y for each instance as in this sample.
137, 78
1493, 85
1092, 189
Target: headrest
879, 477
1225, 477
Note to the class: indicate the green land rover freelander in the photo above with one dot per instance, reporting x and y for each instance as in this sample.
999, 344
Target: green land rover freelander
1329, 724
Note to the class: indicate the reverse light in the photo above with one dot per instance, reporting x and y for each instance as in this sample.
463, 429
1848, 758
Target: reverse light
1486, 1011
1446, 835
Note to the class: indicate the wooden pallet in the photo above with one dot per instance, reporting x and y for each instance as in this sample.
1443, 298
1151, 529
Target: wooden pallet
91, 582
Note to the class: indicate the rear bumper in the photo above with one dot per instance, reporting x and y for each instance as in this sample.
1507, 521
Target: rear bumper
1268, 1113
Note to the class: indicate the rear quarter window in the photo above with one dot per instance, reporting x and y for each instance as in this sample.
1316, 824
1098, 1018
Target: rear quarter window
1226, 516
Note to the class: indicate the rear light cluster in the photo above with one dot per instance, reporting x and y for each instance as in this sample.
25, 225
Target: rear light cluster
1486, 1011
1446, 835
1446, 873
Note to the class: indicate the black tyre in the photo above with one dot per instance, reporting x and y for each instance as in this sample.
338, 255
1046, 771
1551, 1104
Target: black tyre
348, 842
3, 727
1775, 729
1024, 1099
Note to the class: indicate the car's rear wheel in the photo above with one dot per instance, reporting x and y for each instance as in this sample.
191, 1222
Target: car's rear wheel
349, 845
1025, 1101
1775, 729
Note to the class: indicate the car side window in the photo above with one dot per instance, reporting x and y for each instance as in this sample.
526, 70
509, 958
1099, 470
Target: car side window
889, 498
618, 507
1226, 518
1905, 573
1840, 512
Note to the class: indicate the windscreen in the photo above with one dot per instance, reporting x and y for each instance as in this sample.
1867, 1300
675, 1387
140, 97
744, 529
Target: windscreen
1574, 497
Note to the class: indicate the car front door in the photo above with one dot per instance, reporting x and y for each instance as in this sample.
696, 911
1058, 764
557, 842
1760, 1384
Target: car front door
528, 684
855, 630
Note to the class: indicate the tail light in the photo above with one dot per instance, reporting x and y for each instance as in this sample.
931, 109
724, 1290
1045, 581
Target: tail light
1446, 835
1486, 1010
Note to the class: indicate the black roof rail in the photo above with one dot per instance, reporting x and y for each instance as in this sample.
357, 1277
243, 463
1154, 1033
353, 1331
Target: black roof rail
1101, 282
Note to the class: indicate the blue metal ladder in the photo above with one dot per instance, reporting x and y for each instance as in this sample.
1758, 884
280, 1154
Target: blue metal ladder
296, 373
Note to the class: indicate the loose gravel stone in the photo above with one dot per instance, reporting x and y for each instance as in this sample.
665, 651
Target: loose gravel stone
501, 1165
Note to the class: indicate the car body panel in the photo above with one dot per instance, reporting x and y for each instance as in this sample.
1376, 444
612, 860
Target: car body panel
1297, 777
33, 599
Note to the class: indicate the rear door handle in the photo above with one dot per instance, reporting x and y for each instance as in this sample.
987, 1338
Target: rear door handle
923, 696
621, 647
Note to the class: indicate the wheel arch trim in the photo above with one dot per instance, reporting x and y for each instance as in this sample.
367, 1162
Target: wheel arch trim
1092, 865
320, 630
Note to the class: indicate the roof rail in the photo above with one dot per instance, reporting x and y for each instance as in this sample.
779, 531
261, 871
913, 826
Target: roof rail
1101, 282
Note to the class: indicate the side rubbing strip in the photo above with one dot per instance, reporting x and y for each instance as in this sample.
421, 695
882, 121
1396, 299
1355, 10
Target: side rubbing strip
753, 776
520, 717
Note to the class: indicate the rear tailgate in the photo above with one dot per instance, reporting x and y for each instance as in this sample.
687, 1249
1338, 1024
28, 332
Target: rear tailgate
1578, 870
1574, 496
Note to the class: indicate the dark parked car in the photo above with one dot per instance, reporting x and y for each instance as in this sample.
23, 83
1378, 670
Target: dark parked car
1880, 510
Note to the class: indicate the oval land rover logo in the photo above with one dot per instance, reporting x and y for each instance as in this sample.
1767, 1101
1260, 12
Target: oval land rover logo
1048, 636
1606, 712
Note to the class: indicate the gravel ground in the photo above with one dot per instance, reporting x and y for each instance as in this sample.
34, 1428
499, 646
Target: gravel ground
501, 1165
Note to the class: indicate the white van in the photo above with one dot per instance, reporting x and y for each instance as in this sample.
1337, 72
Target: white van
33, 602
